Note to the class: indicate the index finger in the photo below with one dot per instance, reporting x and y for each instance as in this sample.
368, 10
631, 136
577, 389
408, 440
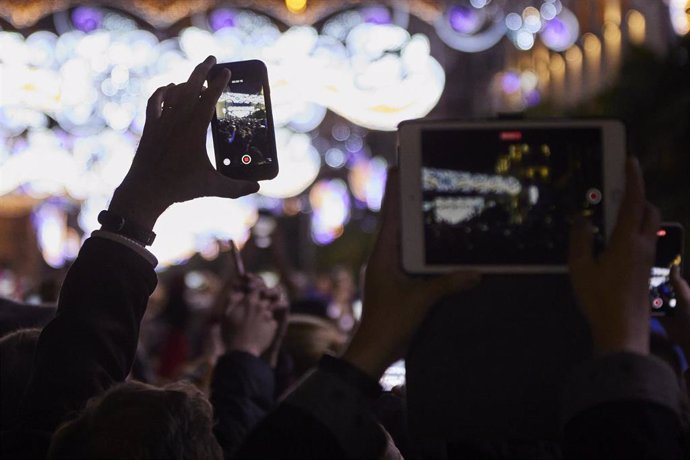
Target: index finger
198, 76
207, 104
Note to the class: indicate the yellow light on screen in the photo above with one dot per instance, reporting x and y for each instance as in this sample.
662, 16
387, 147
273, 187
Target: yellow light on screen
636, 27
296, 6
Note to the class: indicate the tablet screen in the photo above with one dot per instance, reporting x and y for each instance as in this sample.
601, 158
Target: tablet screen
501, 196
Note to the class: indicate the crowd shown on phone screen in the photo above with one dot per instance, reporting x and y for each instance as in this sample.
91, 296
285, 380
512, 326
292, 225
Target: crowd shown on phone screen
217, 365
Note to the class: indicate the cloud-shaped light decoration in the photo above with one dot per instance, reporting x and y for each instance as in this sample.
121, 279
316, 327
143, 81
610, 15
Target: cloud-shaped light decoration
299, 165
377, 75
94, 77
186, 228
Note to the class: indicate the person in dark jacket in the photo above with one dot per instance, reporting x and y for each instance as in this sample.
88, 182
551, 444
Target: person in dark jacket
90, 345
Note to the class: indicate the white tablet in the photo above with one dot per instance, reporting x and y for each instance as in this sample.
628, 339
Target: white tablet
498, 196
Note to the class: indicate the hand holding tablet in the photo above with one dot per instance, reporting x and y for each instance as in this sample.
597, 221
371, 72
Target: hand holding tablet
499, 196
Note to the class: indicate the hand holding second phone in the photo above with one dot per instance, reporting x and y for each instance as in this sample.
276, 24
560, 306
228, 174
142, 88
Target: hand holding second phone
248, 323
613, 288
171, 164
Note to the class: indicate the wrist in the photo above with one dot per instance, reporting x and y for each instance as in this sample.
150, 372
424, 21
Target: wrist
368, 358
245, 348
136, 208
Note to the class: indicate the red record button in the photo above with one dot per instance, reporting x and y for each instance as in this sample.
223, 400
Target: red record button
657, 303
594, 196
246, 159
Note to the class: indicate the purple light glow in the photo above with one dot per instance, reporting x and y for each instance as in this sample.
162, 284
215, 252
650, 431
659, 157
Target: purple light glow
533, 98
86, 19
376, 15
464, 19
510, 82
221, 19
560, 32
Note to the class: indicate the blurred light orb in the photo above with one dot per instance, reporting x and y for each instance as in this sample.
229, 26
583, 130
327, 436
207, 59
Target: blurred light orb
330, 203
479, 3
296, 6
513, 21
532, 19
335, 158
367, 180
222, 18
464, 19
561, 32
50, 223
524, 39
86, 19
679, 11
376, 15
510, 82
472, 28
548, 11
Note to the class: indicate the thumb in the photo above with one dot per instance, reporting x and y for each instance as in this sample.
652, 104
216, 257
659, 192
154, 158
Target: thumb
224, 187
681, 288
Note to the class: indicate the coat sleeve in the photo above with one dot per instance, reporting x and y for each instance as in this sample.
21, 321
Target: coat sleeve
241, 394
91, 342
328, 415
624, 405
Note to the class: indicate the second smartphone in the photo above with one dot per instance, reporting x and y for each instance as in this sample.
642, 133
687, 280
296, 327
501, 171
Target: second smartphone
669, 252
242, 126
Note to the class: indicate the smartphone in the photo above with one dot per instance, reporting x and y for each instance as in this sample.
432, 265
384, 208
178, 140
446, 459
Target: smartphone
669, 250
498, 196
242, 126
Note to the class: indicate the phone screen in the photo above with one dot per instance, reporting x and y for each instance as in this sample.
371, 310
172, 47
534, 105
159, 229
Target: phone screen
669, 248
497, 196
243, 127
394, 376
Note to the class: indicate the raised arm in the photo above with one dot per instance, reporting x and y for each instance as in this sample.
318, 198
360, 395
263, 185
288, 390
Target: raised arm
91, 343
624, 403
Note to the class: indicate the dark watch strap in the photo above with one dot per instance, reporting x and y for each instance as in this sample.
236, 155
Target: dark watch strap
117, 224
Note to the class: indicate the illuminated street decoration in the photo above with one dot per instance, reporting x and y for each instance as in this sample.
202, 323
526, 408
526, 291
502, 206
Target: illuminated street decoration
72, 103
299, 165
94, 76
